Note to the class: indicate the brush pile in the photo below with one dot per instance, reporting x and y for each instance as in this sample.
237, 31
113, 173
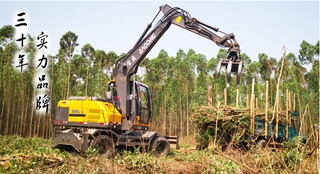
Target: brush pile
224, 125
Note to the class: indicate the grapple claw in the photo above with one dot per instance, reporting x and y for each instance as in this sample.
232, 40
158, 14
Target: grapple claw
233, 65
218, 69
229, 70
239, 73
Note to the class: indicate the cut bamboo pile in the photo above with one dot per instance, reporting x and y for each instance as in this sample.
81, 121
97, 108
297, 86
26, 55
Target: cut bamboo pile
227, 125
223, 125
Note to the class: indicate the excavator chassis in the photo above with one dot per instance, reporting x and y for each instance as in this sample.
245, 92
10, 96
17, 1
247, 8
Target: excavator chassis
80, 139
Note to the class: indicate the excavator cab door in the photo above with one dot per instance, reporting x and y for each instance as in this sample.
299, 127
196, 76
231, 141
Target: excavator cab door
144, 106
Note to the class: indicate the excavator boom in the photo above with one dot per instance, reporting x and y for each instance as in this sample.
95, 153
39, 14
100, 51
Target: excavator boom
128, 65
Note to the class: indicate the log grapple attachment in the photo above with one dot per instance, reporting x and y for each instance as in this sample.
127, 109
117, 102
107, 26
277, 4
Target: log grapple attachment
232, 64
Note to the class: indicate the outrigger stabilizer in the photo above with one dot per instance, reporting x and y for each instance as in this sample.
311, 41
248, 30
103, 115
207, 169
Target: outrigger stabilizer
233, 64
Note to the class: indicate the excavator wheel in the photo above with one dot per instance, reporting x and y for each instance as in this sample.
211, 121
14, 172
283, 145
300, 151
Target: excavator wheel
104, 145
160, 147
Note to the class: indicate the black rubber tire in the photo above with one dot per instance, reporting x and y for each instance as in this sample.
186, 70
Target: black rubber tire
261, 144
160, 147
105, 146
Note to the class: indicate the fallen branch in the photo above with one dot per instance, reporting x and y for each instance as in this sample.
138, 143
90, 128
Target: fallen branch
240, 163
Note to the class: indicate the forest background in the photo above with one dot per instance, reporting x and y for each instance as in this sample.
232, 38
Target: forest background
178, 83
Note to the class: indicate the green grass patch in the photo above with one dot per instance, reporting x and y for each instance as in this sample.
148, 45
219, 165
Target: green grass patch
35, 155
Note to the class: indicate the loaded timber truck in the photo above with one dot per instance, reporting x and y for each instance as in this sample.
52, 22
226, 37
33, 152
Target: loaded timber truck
272, 134
123, 118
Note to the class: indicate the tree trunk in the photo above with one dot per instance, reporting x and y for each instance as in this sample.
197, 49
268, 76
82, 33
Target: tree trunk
187, 114
164, 125
181, 115
68, 84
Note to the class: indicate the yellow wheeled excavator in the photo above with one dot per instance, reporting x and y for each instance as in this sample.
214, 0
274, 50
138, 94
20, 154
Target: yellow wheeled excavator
122, 119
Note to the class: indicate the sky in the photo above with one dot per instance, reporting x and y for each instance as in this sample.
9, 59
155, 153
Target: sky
259, 26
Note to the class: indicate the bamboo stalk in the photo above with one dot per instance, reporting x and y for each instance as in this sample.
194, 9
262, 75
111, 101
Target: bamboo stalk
266, 111
287, 113
252, 106
277, 119
216, 129
209, 95
294, 101
290, 104
225, 96
188, 115
302, 119
290, 109
277, 94
237, 97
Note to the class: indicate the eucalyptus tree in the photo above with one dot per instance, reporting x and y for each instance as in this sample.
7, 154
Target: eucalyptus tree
79, 66
102, 67
155, 77
313, 81
267, 71
109, 63
307, 52
88, 52
68, 43
7, 51
190, 72
201, 80
171, 93
6, 35
16, 88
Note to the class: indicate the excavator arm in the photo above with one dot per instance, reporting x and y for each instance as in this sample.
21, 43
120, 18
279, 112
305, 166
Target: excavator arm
128, 65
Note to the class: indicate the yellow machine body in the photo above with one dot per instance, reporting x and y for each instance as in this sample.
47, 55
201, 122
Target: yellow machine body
83, 110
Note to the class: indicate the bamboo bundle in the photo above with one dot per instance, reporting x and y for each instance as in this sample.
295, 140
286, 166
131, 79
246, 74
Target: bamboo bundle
224, 125
227, 125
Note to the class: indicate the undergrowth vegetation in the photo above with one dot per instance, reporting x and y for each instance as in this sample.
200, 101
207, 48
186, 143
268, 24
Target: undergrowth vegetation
35, 155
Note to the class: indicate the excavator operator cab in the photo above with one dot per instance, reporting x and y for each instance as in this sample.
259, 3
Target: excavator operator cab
143, 104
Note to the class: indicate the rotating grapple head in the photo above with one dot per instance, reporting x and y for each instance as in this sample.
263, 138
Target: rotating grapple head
232, 63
